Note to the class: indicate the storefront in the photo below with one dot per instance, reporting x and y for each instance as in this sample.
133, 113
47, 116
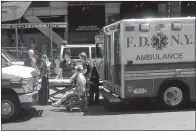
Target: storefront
24, 27
41, 37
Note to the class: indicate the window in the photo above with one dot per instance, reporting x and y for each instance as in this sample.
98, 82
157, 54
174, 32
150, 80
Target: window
93, 52
39, 4
188, 8
109, 46
138, 9
75, 51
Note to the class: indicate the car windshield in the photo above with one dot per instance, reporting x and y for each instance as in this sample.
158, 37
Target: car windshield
9, 57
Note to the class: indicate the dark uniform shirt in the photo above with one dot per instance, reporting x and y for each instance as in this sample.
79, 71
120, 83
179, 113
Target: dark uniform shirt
67, 68
87, 64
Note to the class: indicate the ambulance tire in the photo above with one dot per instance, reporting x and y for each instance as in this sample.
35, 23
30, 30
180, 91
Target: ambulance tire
13, 103
182, 100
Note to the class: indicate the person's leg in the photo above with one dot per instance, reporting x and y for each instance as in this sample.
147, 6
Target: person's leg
97, 94
91, 92
67, 94
87, 91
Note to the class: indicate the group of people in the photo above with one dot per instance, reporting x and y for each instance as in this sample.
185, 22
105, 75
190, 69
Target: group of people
85, 76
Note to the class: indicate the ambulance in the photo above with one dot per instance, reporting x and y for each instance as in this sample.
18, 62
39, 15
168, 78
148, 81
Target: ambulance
149, 58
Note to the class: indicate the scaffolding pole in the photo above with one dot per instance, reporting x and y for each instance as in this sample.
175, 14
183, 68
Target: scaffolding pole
16, 30
51, 43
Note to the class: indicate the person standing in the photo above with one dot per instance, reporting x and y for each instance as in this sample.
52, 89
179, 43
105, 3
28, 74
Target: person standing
87, 69
67, 66
44, 73
31, 60
94, 85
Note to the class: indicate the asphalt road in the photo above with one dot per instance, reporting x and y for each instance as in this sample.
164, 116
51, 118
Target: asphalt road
146, 117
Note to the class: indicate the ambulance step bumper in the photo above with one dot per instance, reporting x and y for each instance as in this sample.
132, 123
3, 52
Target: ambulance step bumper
109, 96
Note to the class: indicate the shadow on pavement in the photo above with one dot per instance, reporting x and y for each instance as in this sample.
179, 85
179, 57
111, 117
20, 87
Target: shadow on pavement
27, 114
144, 107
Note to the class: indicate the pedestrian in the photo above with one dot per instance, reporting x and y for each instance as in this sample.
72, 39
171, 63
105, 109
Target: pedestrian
31, 60
88, 66
94, 85
67, 66
44, 73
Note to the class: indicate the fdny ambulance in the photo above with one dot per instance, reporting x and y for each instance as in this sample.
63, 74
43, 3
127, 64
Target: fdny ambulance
152, 57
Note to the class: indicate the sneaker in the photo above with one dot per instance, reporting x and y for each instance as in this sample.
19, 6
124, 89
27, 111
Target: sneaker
56, 104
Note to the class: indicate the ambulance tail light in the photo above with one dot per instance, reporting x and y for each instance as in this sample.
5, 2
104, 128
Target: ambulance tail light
144, 27
176, 26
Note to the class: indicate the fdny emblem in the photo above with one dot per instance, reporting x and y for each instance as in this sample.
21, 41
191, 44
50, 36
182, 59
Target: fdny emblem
159, 41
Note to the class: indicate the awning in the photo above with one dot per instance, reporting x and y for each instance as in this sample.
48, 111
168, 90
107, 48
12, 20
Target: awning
13, 10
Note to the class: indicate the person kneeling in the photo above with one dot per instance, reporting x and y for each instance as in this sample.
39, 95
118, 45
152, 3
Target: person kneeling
80, 87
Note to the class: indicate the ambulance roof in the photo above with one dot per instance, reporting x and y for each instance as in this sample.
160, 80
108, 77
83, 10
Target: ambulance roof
116, 24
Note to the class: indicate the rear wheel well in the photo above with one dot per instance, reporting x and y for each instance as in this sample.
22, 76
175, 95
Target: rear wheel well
175, 82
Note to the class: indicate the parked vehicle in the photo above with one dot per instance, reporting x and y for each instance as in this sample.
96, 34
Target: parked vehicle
89, 49
152, 58
10, 58
19, 87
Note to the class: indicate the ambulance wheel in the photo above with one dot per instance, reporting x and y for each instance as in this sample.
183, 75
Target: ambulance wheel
10, 107
174, 97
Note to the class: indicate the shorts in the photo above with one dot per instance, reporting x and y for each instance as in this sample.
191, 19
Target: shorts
80, 92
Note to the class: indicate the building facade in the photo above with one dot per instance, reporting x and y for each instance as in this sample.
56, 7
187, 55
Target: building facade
45, 24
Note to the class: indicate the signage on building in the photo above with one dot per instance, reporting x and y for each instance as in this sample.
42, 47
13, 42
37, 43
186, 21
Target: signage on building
31, 25
13, 10
86, 18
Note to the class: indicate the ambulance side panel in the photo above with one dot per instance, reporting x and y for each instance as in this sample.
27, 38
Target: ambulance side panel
153, 51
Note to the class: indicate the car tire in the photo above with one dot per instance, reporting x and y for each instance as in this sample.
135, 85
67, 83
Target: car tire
10, 107
173, 97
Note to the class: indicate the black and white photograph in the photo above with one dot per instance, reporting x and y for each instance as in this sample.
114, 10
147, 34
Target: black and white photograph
98, 65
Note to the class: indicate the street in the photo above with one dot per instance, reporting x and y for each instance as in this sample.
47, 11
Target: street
99, 118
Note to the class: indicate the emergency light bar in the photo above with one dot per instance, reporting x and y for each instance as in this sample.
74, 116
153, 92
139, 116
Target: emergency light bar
144, 27
176, 26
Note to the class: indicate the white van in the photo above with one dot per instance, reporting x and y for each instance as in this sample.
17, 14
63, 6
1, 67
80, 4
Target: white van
19, 87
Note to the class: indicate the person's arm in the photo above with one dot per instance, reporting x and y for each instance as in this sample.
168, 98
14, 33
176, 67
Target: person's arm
74, 65
84, 68
60, 71
72, 77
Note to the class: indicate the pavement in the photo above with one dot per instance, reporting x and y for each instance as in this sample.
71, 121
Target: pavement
146, 116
